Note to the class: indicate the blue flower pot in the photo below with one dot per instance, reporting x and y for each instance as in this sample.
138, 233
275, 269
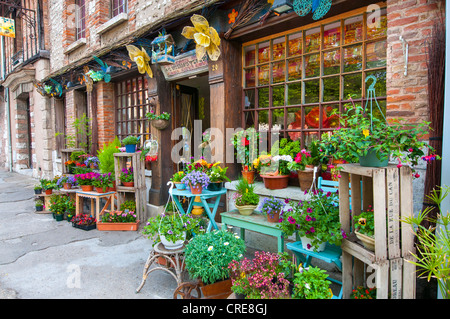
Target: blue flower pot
130, 148
180, 186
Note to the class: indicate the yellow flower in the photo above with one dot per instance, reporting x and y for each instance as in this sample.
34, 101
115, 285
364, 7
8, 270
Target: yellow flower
366, 133
242, 275
362, 221
206, 38
141, 58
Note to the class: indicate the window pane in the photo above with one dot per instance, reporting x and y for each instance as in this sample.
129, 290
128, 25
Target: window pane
375, 110
331, 89
294, 121
312, 65
278, 95
263, 118
278, 72
277, 119
312, 117
376, 54
250, 80
352, 85
263, 97
353, 58
308, 137
263, 74
332, 117
380, 86
331, 62
376, 27
295, 93
353, 30
332, 35
295, 44
279, 48
312, 89
249, 119
249, 99
295, 69
312, 40
263, 52
249, 53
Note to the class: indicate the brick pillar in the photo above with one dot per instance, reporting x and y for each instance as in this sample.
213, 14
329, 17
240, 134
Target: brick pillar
69, 25
105, 112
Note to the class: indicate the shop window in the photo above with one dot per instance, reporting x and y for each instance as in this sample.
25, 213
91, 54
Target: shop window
118, 7
80, 19
296, 80
132, 105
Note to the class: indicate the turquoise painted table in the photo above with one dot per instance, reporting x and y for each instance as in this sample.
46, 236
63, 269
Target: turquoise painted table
255, 222
205, 195
331, 254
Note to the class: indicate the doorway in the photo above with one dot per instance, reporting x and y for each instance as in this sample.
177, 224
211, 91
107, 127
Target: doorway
192, 104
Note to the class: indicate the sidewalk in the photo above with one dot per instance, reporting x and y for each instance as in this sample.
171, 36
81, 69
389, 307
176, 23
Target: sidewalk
44, 259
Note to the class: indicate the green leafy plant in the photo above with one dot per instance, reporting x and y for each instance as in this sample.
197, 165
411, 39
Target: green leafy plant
245, 193
119, 217
433, 247
128, 204
39, 203
103, 181
311, 283
317, 218
152, 116
130, 140
178, 176
106, 156
218, 174
364, 222
246, 143
126, 175
207, 255
48, 184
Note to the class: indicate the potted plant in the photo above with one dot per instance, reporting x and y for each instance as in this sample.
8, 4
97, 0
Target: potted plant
371, 140
197, 181
127, 177
38, 189
66, 182
39, 205
217, 175
171, 230
316, 220
130, 143
159, 122
176, 179
207, 256
311, 283
84, 221
69, 208
246, 143
245, 198
118, 220
304, 163
365, 228
58, 206
86, 181
272, 207
263, 277
102, 182
274, 170
70, 165
48, 186
92, 162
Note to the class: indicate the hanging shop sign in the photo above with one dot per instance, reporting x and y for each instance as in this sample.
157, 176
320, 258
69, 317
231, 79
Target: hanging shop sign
7, 27
185, 65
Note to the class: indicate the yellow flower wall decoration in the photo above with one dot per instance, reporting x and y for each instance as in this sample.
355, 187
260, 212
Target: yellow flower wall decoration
206, 38
141, 58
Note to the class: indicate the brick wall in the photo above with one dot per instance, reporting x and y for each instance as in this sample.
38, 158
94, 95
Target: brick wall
413, 20
105, 113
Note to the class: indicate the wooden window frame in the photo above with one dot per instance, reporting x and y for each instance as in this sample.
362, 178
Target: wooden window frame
340, 103
118, 7
80, 25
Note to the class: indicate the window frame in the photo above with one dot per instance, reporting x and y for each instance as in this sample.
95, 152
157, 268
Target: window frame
80, 20
121, 7
340, 103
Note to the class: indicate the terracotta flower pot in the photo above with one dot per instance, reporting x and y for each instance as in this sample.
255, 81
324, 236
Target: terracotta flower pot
87, 188
99, 190
274, 217
275, 182
48, 191
117, 226
249, 176
305, 178
217, 290
128, 184
67, 186
197, 189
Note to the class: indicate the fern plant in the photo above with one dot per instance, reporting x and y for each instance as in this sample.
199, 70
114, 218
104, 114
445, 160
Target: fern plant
106, 156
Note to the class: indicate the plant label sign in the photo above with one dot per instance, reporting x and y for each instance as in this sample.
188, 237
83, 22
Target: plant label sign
185, 65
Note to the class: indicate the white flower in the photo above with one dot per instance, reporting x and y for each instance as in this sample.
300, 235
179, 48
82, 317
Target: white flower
210, 248
226, 243
307, 286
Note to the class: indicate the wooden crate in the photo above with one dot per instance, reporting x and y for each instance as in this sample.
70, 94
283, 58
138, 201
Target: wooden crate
122, 160
389, 191
65, 156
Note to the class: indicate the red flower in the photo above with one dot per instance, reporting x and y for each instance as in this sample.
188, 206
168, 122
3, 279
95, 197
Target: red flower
245, 141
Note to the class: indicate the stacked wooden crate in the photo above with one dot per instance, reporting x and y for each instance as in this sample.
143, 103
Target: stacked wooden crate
124, 160
389, 191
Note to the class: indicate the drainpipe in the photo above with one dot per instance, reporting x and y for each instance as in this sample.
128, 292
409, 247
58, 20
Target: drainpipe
8, 105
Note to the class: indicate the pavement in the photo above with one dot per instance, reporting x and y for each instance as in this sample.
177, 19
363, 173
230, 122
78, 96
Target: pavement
41, 258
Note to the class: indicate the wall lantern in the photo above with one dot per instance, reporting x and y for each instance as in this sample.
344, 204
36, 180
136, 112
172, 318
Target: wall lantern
163, 49
282, 6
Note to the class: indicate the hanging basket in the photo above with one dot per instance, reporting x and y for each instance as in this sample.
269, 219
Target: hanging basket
160, 124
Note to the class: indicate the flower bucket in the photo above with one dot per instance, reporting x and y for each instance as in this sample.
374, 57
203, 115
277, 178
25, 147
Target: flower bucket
130, 148
197, 189
87, 188
180, 185
160, 124
215, 186
368, 242
249, 176
305, 178
275, 182
99, 190
48, 191
172, 245
128, 184
117, 226
371, 160
274, 217
67, 186
246, 210
306, 244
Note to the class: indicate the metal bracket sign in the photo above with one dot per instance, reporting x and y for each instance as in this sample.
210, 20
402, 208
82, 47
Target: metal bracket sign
185, 65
